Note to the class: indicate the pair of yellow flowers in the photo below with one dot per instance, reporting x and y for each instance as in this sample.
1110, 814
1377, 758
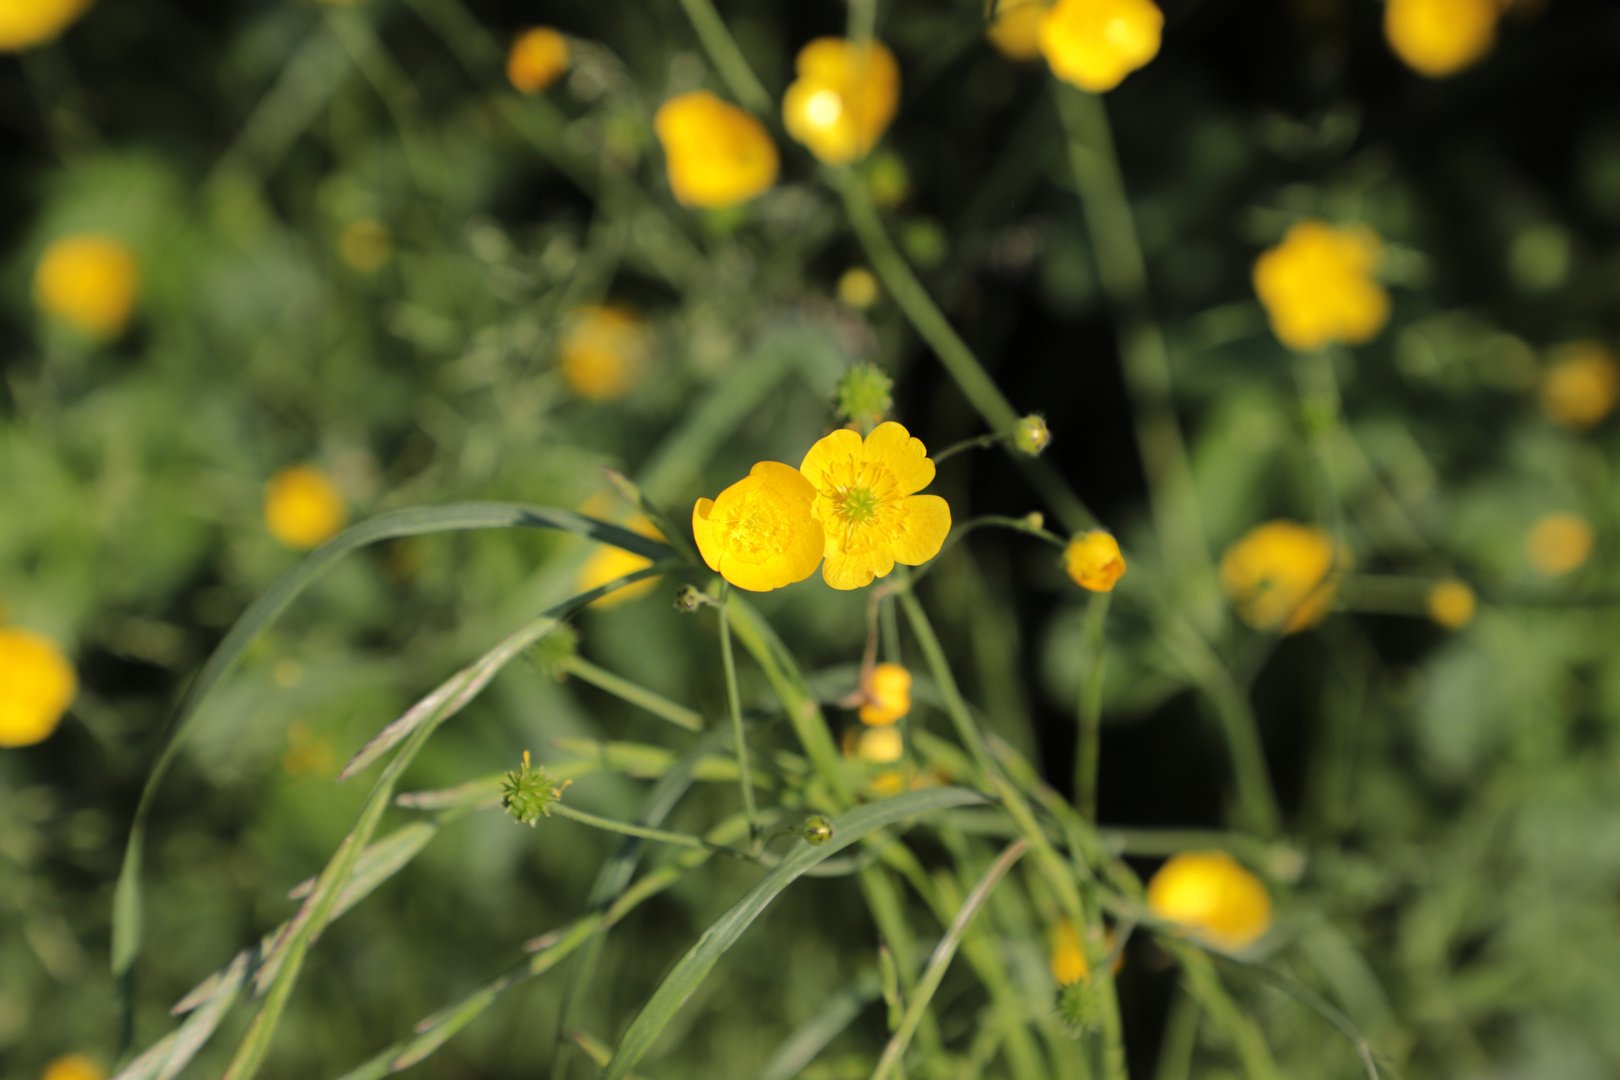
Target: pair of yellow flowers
850, 507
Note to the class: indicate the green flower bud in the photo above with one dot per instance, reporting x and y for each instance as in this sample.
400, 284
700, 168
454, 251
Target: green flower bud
817, 829
863, 395
1080, 1007
527, 793
1031, 436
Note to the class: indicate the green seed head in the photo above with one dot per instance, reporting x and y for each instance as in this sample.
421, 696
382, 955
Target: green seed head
1080, 1006
863, 395
528, 793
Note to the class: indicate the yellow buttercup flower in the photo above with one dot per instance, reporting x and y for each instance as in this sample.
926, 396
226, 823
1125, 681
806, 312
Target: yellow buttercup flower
1440, 37
888, 697
301, 507
1015, 30
760, 534
1094, 44
37, 684
1068, 956
858, 288
1559, 543
73, 1066
1318, 287
1213, 897
1280, 575
1581, 385
866, 502
88, 280
843, 99
609, 562
717, 154
538, 58
605, 351
880, 745
1451, 603
26, 23
1093, 561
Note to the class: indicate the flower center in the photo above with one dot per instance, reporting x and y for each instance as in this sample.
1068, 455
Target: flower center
757, 530
858, 505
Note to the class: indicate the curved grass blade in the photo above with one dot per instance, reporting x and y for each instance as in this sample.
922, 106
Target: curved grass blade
1317, 1004
127, 915
811, 1037
683, 981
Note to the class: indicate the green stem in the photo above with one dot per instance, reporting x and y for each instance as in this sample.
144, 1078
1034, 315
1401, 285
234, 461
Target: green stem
1180, 1038
727, 57
1144, 356
663, 836
734, 699
1087, 751
1204, 984
637, 695
971, 444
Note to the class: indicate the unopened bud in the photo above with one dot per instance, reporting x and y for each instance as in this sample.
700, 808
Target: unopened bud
1035, 519
1031, 435
689, 599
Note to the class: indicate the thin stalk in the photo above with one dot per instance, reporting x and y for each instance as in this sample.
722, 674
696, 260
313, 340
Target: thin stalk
726, 56
745, 778
663, 836
1088, 750
635, 694
1204, 984
943, 954
1144, 356
1180, 1038
978, 443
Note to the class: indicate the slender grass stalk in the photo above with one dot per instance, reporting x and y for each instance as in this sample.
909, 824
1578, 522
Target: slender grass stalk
726, 56
1204, 984
1087, 749
978, 443
1180, 1038
1144, 355
634, 693
663, 836
943, 954
735, 701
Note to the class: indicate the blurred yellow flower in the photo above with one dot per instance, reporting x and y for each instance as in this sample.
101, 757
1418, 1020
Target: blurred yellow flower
89, 280
1559, 543
365, 245
1093, 560
307, 753
880, 745
866, 502
888, 696
1451, 603
1094, 44
1214, 898
26, 23
843, 99
858, 288
1279, 575
605, 351
1068, 956
1581, 385
73, 1066
717, 154
760, 534
1015, 29
301, 507
609, 562
37, 684
538, 58
1440, 37
1318, 287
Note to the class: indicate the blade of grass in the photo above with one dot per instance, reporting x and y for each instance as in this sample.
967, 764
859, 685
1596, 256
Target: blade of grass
811, 1037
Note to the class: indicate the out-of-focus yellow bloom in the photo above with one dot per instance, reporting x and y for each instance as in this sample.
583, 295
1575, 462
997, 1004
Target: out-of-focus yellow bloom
889, 696
880, 745
1581, 385
1279, 575
609, 562
866, 504
1559, 543
1015, 30
1094, 44
538, 58
858, 288
760, 533
26, 23
307, 753
90, 281
1068, 955
73, 1066
301, 507
843, 99
1452, 603
605, 351
365, 245
1093, 560
1214, 898
1440, 37
1318, 287
37, 684
717, 155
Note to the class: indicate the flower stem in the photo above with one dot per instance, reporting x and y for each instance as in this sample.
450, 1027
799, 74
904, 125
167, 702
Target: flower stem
727, 57
663, 836
637, 695
745, 778
1086, 754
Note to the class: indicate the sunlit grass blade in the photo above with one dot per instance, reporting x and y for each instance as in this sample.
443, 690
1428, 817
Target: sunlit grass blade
683, 981
811, 1037
174, 1052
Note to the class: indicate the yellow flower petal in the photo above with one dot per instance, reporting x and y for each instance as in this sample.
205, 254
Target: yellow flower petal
843, 99
302, 508
90, 281
1280, 575
26, 23
37, 684
1094, 44
1093, 561
717, 154
905, 456
1437, 38
919, 533
889, 695
856, 570
538, 58
1212, 896
1317, 286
